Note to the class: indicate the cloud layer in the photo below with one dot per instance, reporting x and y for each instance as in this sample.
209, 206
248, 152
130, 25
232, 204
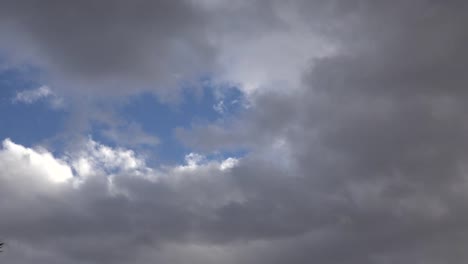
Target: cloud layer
94, 46
355, 130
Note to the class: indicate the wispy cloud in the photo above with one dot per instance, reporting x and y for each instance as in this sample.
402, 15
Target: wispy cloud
38, 94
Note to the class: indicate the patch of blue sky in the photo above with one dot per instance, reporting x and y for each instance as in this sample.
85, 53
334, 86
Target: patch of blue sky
26, 124
196, 106
35, 123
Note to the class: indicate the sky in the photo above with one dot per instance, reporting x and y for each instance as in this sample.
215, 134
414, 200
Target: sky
226, 132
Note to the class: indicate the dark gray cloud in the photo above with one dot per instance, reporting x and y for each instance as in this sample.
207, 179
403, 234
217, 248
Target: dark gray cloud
111, 43
376, 138
363, 162
110, 48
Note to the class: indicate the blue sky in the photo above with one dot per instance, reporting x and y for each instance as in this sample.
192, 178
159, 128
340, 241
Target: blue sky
30, 123
162, 118
26, 123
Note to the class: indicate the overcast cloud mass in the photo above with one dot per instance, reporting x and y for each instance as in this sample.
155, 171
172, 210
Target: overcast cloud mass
336, 132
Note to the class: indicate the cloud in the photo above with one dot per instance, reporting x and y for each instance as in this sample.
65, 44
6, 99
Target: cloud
44, 164
39, 94
373, 139
103, 48
30, 96
100, 54
102, 194
356, 155
115, 48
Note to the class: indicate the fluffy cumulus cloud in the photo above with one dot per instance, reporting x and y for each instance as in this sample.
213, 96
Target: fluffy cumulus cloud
354, 129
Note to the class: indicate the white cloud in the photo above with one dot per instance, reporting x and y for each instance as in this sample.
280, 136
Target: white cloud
195, 162
31, 96
272, 60
228, 163
38, 94
39, 195
95, 158
44, 164
219, 107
